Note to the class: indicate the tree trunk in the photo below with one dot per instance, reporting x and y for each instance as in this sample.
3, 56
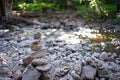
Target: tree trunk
102, 15
6, 9
118, 5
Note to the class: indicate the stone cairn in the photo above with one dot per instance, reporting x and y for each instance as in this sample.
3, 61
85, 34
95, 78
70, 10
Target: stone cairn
37, 66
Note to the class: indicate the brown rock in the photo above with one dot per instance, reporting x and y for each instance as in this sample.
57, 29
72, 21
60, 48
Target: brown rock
35, 46
39, 62
43, 68
39, 54
37, 35
27, 60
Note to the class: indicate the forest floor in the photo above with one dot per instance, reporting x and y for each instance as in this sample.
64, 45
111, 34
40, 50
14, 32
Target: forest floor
76, 50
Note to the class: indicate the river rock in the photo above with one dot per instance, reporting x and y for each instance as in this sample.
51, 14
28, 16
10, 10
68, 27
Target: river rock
39, 54
75, 75
103, 73
67, 77
37, 35
5, 78
60, 72
104, 56
88, 60
48, 75
35, 46
27, 60
88, 72
85, 42
43, 67
86, 48
96, 55
114, 76
30, 73
77, 67
39, 62
17, 75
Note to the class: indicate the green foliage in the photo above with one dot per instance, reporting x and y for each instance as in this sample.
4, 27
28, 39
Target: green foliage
117, 19
109, 9
33, 6
86, 8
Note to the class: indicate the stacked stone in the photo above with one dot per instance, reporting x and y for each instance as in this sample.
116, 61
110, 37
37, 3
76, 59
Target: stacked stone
37, 64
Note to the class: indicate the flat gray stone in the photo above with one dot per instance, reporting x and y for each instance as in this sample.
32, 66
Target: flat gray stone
39, 62
43, 68
88, 72
30, 73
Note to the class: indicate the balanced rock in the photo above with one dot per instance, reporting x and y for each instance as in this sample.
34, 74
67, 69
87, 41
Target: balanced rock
37, 35
39, 54
35, 46
44, 67
30, 73
27, 60
39, 62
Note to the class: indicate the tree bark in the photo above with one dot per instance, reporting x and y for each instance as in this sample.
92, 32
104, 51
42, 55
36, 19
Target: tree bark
6, 9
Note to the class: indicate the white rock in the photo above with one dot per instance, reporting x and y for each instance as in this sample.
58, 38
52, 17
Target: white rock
75, 75
104, 56
96, 55
85, 42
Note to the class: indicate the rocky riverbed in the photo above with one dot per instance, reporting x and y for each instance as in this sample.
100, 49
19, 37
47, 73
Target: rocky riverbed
58, 51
